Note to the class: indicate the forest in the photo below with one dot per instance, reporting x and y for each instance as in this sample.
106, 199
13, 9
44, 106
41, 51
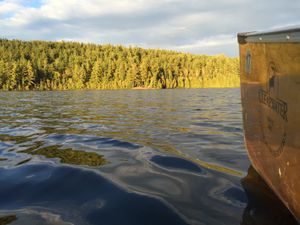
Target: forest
44, 65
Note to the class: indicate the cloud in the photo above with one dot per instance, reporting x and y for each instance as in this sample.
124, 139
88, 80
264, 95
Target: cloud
207, 27
8, 7
214, 45
209, 42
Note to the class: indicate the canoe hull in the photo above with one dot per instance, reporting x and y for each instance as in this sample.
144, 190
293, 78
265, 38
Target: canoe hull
270, 94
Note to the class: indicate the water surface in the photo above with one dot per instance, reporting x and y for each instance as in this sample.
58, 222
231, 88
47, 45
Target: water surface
128, 157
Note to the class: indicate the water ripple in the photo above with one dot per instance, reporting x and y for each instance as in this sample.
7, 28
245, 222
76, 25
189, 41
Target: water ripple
126, 157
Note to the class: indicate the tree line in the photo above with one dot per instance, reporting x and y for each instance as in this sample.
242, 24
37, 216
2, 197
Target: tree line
42, 65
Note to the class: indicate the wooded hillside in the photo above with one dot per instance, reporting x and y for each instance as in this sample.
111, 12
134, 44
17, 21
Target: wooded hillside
41, 65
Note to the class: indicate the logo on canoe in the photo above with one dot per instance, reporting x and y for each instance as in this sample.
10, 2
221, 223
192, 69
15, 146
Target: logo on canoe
276, 105
274, 113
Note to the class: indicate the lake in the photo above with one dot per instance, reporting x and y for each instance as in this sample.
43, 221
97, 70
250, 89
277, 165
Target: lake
136, 157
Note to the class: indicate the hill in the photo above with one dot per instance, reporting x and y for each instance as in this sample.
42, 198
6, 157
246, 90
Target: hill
41, 65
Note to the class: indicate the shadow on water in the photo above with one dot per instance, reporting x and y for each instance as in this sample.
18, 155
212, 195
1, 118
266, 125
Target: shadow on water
264, 207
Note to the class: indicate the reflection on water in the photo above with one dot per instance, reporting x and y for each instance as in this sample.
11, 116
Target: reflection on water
127, 157
86, 197
68, 155
264, 207
175, 163
7, 219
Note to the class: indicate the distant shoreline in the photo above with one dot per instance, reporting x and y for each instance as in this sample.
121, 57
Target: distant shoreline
115, 89
144, 88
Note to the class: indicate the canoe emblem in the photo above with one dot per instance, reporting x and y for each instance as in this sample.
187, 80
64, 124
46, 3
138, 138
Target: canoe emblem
248, 62
274, 113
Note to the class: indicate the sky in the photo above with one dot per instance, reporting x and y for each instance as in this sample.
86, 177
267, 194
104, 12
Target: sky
194, 26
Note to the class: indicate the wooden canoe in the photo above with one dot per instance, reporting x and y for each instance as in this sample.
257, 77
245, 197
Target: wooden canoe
270, 94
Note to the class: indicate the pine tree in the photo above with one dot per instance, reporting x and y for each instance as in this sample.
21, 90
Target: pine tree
96, 75
11, 83
68, 65
28, 76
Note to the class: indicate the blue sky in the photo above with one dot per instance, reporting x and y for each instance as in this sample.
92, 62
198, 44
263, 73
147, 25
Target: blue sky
196, 26
32, 3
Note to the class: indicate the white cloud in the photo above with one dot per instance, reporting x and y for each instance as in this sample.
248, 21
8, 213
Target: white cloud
210, 41
8, 7
193, 26
211, 45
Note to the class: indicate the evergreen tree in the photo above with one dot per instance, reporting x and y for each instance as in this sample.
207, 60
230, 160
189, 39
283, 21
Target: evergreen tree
11, 83
28, 76
40, 65
94, 81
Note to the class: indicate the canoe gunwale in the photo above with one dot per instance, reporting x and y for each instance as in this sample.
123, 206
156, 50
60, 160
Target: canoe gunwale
289, 35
